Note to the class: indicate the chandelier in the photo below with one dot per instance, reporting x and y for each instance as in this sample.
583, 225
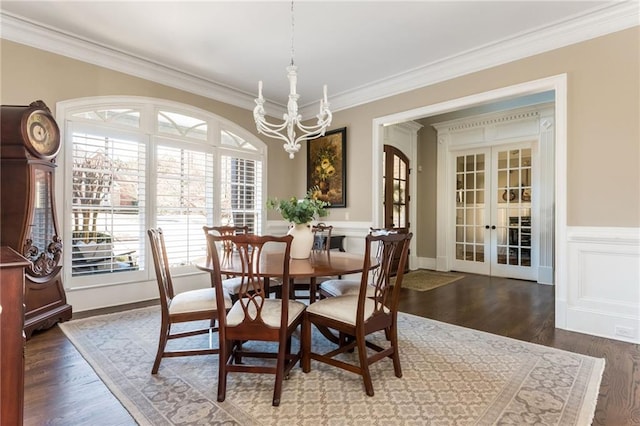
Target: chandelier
286, 131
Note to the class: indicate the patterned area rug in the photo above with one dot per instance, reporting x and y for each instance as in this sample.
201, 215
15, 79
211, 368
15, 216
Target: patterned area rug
451, 376
423, 279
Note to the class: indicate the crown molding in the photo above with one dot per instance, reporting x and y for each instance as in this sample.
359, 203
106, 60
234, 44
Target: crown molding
41, 37
608, 19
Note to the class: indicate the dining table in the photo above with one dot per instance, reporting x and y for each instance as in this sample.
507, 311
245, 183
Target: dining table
320, 263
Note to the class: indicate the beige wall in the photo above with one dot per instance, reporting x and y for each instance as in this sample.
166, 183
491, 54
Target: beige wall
603, 125
603, 119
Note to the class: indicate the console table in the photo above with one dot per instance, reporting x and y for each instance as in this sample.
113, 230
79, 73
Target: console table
12, 337
337, 242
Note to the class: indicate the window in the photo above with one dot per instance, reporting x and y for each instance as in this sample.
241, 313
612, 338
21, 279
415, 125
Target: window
182, 201
139, 163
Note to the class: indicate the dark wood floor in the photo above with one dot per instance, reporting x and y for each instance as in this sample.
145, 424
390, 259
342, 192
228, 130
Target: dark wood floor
61, 388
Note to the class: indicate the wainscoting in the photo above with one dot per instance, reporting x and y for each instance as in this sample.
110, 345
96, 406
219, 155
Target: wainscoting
602, 295
597, 291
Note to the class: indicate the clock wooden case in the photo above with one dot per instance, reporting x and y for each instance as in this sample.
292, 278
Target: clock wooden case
29, 144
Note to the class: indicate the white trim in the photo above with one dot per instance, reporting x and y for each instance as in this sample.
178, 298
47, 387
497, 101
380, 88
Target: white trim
404, 136
147, 133
556, 83
603, 291
610, 18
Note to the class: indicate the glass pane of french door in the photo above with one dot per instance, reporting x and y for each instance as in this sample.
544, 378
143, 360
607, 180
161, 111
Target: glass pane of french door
513, 207
470, 207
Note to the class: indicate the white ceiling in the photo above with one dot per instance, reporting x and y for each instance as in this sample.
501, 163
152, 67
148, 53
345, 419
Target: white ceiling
362, 50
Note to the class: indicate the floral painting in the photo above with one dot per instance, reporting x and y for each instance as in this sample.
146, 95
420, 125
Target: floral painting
326, 167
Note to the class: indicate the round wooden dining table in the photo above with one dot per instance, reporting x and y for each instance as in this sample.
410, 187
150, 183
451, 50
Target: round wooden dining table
319, 264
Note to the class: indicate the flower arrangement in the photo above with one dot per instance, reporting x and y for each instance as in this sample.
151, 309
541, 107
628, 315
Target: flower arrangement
325, 169
300, 211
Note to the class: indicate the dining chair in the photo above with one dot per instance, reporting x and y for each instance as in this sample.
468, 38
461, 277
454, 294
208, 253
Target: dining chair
255, 317
226, 230
321, 243
231, 283
341, 287
187, 306
356, 317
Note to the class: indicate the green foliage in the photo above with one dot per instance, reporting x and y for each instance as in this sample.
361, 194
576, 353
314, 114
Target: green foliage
300, 211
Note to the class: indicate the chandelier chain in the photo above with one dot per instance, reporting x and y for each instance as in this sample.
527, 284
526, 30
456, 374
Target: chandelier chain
292, 31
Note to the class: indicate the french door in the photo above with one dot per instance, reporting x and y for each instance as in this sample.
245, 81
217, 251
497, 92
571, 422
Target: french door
396, 194
494, 228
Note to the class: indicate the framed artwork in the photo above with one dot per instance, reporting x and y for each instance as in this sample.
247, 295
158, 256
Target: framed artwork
327, 167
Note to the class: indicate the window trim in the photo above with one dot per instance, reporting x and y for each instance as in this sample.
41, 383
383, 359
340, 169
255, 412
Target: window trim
146, 133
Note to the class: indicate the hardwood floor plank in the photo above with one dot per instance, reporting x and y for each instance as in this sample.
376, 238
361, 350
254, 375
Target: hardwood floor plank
62, 389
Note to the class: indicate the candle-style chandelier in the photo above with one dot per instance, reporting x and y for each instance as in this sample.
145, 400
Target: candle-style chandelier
286, 131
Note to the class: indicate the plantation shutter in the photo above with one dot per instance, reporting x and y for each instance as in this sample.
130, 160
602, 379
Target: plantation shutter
241, 192
185, 192
108, 207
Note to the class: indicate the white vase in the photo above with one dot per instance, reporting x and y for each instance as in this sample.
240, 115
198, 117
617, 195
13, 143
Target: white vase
302, 240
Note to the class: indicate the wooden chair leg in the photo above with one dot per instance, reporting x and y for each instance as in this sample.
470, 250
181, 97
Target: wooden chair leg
165, 329
305, 341
364, 364
292, 289
393, 338
223, 358
277, 388
236, 348
313, 289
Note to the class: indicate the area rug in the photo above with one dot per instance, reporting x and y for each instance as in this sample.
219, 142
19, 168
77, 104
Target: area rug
423, 279
451, 376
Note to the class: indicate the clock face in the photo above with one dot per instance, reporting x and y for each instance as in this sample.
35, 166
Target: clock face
43, 134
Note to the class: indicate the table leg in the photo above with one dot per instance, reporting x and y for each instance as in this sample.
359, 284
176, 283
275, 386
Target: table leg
313, 289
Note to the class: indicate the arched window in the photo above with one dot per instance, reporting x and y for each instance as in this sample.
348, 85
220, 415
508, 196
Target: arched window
134, 163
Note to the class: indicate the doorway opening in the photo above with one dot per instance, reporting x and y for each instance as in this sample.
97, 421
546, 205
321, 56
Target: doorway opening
556, 85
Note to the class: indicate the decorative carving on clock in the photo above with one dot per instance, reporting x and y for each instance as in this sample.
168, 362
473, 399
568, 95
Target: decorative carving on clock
44, 262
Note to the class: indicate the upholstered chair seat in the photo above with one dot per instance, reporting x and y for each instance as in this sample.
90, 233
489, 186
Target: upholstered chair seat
271, 312
343, 309
335, 288
200, 300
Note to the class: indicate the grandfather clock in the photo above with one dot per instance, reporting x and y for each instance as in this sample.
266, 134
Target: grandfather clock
29, 143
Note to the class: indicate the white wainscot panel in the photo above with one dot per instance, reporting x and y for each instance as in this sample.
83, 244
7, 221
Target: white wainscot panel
603, 295
606, 275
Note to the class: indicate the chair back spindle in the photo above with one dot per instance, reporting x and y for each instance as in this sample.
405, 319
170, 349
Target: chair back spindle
225, 230
161, 265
